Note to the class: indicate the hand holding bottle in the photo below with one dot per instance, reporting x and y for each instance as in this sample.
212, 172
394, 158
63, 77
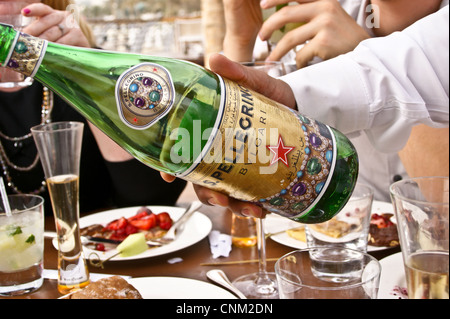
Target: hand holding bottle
261, 83
52, 25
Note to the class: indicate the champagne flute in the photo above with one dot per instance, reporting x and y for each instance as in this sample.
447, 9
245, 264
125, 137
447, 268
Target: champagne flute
262, 284
59, 147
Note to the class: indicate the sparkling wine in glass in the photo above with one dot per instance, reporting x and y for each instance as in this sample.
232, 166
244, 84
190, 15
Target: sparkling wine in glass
59, 147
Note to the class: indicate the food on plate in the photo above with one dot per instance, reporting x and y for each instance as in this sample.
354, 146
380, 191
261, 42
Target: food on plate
132, 245
333, 228
144, 221
114, 287
297, 233
382, 231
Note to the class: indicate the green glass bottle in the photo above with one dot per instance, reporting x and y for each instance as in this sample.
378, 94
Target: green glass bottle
182, 119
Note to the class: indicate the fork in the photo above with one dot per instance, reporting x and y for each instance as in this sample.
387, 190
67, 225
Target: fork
177, 227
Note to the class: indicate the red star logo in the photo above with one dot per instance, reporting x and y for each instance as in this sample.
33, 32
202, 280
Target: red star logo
135, 120
155, 70
280, 151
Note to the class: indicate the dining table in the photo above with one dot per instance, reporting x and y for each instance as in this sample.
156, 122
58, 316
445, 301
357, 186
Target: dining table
192, 262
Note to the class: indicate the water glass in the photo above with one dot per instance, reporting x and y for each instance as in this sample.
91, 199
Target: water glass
421, 211
350, 228
328, 273
21, 245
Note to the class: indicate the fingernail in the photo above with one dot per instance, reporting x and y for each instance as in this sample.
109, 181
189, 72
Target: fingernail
212, 201
261, 37
263, 3
246, 212
26, 11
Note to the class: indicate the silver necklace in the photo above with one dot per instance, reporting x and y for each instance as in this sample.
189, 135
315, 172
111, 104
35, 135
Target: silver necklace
5, 162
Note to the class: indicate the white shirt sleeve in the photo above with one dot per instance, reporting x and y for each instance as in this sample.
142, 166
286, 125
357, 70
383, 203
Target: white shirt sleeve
384, 87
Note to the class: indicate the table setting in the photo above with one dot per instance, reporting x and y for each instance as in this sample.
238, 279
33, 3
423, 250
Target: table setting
129, 247
184, 267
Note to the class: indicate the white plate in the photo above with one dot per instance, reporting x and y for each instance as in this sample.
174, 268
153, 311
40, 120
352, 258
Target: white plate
178, 288
197, 228
275, 223
392, 280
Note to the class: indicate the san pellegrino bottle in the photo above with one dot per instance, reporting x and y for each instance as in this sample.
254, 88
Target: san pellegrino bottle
180, 118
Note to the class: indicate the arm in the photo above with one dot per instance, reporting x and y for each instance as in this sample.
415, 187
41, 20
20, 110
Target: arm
385, 87
427, 152
243, 21
358, 91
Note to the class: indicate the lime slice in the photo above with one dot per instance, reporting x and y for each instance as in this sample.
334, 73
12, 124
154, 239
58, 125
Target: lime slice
134, 244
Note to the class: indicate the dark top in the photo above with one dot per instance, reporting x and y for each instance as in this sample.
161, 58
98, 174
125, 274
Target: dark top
103, 184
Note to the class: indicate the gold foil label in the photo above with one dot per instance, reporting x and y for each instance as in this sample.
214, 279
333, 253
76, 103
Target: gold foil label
267, 154
144, 94
27, 54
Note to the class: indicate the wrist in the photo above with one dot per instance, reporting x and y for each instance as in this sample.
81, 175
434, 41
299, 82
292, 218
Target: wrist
238, 50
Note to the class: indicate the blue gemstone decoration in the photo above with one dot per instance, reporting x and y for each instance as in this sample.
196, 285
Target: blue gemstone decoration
329, 156
159, 87
319, 187
307, 150
134, 87
304, 128
283, 192
300, 174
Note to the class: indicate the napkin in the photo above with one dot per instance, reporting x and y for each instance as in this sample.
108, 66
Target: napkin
220, 244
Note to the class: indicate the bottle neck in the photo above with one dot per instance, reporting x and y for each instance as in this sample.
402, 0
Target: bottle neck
7, 40
20, 52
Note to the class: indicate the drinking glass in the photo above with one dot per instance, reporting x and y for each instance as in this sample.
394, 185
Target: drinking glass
243, 231
59, 147
10, 13
298, 277
421, 210
21, 244
349, 228
262, 284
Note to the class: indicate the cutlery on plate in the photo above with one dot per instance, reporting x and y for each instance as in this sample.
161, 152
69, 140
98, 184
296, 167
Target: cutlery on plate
178, 226
90, 240
169, 237
219, 277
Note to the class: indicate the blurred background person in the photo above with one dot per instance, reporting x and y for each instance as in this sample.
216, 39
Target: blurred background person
109, 176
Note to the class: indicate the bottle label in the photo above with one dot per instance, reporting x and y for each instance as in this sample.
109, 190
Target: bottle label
144, 94
26, 55
279, 159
